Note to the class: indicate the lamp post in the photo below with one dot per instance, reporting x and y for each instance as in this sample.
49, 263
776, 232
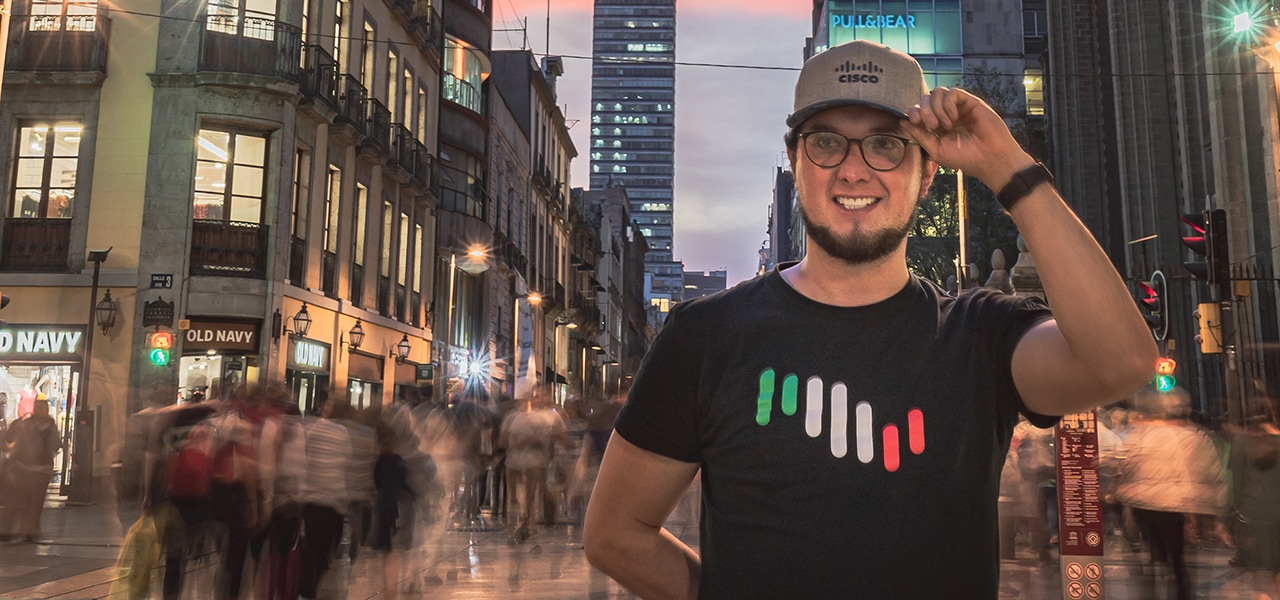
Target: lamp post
80, 490
474, 254
534, 299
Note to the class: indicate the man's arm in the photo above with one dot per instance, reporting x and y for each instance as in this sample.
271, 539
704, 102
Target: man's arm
623, 535
1097, 348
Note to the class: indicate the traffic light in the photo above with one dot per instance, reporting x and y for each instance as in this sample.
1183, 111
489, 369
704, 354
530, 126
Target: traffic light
1209, 240
1209, 316
1164, 380
160, 343
1152, 299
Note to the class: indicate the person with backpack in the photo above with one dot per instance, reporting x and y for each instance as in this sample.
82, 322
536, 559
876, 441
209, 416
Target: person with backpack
179, 476
32, 442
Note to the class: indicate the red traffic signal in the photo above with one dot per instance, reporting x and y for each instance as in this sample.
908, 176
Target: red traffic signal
1165, 365
1208, 240
1151, 299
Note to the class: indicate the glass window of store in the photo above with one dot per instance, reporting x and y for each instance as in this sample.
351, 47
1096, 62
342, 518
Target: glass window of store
42, 362
217, 358
307, 372
45, 177
364, 379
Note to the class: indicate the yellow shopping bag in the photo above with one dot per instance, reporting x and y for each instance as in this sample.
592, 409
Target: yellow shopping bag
138, 559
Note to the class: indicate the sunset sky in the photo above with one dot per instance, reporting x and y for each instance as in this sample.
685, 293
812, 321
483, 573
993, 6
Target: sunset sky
729, 121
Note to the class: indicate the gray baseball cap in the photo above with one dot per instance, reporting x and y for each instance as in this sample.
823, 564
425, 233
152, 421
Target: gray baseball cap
858, 72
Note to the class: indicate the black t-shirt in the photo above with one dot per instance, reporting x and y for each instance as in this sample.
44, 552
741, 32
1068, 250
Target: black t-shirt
845, 452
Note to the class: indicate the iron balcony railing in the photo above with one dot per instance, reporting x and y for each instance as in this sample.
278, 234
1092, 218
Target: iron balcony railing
297, 261
59, 42
228, 248
378, 131
422, 164
357, 285
352, 102
329, 274
36, 245
402, 141
251, 45
319, 77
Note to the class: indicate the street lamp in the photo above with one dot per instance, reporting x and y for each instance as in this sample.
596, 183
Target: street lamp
105, 312
534, 299
475, 265
356, 335
81, 480
401, 351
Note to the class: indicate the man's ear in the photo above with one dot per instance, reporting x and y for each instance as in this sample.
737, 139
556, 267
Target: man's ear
791, 157
928, 170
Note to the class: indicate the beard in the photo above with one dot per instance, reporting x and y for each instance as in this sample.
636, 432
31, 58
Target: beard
857, 248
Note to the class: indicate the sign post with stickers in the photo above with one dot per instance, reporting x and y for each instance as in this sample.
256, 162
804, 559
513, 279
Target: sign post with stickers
1080, 531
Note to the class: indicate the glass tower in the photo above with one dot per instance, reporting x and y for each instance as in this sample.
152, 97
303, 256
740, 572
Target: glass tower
633, 123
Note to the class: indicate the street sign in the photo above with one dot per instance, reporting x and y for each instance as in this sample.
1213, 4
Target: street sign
161, 281
157, 313
1080, 532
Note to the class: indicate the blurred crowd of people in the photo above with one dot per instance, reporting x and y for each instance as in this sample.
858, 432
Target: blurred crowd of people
278, 493
1167, 483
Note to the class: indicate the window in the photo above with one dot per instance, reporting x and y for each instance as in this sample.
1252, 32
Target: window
1033, 82
301, 193
332, 200
393, 79
462, 77
339, 35
417, 258
230, 180
403, 262
45, 183
362, 218
422, 114
56, 15
366, 56
249, 18
384, 259
406, 102
462, 182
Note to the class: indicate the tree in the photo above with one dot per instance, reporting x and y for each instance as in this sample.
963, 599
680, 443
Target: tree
934, 241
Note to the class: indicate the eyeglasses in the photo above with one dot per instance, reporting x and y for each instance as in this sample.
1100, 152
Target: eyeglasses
881, 151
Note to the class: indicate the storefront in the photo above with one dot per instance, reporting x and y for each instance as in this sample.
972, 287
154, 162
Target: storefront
364, 379
43, 362
218, 356
306, 371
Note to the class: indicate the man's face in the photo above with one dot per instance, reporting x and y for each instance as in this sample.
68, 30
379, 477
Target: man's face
851, 211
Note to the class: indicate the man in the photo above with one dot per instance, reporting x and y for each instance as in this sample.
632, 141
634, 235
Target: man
849, 418
529, 436
33, 442
323, 495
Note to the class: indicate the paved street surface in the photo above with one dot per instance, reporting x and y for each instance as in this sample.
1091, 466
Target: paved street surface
77, 551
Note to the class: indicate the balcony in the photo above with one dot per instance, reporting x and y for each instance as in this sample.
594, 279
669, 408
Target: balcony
379, 126
384, 296
329, 274
402, 142
36, 245
319, 78
251, 46
423, 165
228, 249
352, 101
59, 43
428, 23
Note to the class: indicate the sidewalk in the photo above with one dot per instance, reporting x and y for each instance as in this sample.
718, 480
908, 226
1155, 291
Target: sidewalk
75, 558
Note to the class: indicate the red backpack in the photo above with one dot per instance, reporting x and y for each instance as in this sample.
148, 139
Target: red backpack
188, 472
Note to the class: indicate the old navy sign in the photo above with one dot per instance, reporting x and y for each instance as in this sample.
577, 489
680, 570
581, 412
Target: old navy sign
873, 22
41, 342
216, 335
311, 356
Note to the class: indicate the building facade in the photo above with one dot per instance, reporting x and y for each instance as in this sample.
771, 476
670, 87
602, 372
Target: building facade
633, 124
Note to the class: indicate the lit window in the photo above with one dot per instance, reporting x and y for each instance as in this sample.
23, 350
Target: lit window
45, 180
230, 180
1033, 82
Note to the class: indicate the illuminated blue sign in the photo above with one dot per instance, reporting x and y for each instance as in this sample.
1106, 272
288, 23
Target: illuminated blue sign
873, 21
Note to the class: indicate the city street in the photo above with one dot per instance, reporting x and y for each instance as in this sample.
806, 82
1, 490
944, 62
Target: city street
79, 544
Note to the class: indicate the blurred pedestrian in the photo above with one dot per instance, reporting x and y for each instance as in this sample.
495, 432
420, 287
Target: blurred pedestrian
1172, 470
850, 418
323, 496
529, 436
1255, 478
32, 443
391, 530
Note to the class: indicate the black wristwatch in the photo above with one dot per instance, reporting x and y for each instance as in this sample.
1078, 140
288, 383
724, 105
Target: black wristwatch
1022, 183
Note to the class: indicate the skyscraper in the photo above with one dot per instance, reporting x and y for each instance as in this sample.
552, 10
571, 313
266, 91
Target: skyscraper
633, 125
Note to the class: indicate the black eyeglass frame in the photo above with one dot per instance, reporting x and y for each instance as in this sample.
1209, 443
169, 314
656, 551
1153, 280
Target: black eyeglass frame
849, 142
